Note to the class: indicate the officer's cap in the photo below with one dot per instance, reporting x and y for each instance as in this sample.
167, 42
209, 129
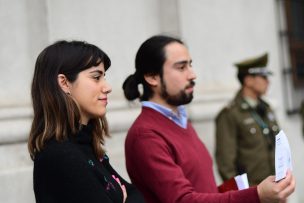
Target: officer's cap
254, 66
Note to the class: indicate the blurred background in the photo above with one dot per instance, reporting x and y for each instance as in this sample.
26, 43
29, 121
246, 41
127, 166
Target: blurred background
218, 33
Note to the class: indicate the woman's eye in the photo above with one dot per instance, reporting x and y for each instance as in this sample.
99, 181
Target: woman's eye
97, 77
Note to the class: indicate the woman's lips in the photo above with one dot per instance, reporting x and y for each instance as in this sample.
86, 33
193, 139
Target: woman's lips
104, 100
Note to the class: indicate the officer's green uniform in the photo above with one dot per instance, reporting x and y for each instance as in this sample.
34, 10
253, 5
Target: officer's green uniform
245, 136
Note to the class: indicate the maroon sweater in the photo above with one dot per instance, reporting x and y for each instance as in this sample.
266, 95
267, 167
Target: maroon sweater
170, 164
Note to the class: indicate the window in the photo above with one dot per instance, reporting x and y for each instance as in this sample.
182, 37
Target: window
295, 31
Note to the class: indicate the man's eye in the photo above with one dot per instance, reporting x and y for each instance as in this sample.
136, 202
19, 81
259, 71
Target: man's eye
181, 67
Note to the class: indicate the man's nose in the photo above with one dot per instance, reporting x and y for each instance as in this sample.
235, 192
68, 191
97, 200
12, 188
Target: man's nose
192, 74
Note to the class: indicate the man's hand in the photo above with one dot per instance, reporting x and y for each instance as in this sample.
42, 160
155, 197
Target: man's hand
270, 191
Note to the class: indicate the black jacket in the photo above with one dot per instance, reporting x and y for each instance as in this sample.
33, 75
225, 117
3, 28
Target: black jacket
68, 171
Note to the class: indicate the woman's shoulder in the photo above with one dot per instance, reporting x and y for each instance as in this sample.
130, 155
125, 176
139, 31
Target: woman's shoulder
55, 152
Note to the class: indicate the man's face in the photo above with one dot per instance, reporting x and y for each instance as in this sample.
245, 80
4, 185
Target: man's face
177, 81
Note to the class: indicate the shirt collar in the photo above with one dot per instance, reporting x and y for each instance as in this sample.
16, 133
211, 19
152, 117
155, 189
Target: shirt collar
252, 102
180, 118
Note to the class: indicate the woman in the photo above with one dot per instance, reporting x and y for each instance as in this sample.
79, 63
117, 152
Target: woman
69, 94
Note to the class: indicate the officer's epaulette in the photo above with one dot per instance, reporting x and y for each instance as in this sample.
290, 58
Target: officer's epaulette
230, 105
226, 109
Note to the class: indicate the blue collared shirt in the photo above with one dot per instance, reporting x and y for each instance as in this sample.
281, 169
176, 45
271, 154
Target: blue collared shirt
180, 118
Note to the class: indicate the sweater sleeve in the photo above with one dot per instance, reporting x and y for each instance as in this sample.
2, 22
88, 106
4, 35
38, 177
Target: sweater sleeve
152, 168
62, 175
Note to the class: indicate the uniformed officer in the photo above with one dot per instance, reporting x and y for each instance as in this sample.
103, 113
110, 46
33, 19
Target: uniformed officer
246, 127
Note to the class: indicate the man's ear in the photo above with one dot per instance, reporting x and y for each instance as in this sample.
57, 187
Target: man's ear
152, 80
63, 83
248, 80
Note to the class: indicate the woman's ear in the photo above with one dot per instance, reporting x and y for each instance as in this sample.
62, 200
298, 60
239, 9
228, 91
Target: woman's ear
152, 80
63, 83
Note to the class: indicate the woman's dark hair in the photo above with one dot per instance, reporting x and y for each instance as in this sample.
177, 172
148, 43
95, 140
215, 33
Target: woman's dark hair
149, 60
55, 113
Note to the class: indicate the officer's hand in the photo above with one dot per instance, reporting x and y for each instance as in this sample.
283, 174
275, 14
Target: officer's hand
270, 191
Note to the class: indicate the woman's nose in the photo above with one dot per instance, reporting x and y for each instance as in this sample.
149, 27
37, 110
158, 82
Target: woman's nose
107, 88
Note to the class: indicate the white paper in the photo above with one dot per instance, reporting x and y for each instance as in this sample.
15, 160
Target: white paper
282, 156
242, 181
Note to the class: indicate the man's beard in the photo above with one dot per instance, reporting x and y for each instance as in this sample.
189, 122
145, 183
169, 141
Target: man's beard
178, 99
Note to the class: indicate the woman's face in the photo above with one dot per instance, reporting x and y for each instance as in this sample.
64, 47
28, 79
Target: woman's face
90, 91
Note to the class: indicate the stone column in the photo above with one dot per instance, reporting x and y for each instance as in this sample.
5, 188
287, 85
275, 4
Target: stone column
22, 36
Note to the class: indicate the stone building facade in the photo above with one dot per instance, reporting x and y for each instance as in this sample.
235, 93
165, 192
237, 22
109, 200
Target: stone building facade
217, 32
